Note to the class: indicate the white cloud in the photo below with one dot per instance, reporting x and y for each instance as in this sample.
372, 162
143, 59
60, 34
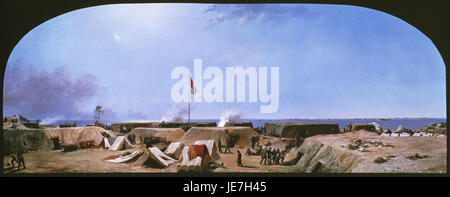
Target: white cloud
117, 37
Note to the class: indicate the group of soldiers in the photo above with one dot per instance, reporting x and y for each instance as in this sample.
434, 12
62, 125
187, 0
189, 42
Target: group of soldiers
228, 143
271, 156
18, 158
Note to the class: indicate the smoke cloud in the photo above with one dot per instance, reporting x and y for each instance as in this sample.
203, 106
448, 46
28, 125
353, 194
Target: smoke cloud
46, 95
176, 113
229, 116
255, 12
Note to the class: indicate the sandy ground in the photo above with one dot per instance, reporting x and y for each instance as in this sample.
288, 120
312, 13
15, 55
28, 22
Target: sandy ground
435, 149
91, 161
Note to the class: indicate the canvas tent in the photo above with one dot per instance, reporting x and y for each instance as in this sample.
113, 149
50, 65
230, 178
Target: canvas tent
212, 148
168, 134
121, 143
143, 158
142, 155
174, 150
127, 158
106, 142
73, 136
244, 135
160, 157
194, 158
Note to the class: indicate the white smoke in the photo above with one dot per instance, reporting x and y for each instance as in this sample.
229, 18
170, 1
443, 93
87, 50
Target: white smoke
228, 116
176, 113
51, 120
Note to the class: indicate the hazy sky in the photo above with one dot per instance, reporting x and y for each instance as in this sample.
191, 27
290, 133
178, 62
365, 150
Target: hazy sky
335, 61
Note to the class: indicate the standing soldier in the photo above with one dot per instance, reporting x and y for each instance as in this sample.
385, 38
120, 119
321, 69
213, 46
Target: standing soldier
239, 158
263, 154
219, 144
274, 156
21, 161
282, 156
278, 156
13, 159
227, 142
254, 141
297, 140
269, 156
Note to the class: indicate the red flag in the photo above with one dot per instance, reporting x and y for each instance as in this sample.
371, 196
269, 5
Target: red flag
194, 90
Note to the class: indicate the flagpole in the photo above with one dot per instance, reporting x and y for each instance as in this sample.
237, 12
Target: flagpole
189, 109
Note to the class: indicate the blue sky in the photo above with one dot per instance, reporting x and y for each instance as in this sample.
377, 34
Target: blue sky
335, 61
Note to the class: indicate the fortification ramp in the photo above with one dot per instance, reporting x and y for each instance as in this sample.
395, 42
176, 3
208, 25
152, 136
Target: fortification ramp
218, 133
331, 154
169, 134
73, 136
239, 124
116, 127
18, 140
301, 129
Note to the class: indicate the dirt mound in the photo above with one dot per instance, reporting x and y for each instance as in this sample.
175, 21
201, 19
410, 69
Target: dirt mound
73, 136
25, 140
362, 151
239, 124
168, 134
128, 126
244, 134
301, 129
14, 126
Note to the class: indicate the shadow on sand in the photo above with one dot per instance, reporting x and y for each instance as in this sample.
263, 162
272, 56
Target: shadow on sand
10, 170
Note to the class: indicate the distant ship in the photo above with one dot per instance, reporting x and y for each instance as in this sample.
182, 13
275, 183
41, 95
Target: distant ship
382, 119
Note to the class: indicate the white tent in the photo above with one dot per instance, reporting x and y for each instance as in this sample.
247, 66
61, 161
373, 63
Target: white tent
160, 157
403, 134
121, 143
106, 141
394, 134
189, 165
417, 134
428, 134
174, 150
141, 155
144, 157
127, 158
212, 148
